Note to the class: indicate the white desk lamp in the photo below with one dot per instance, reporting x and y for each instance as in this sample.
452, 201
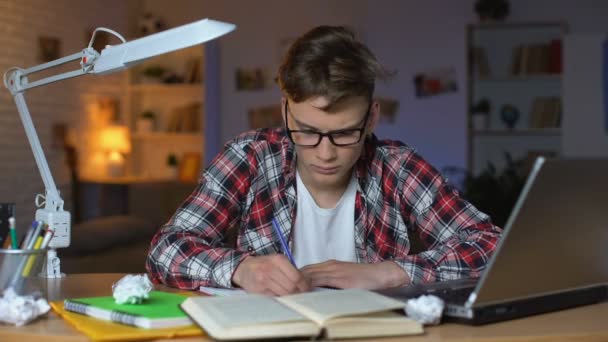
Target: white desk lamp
111, 59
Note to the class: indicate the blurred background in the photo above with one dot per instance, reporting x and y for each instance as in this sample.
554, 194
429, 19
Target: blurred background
481, 88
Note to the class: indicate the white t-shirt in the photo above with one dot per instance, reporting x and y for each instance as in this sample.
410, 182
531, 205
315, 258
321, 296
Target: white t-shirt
322, 234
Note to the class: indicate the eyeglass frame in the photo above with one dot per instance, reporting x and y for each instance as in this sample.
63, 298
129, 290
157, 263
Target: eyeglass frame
321, 135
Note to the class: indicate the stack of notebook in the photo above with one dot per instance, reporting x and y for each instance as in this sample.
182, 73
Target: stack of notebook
101, 319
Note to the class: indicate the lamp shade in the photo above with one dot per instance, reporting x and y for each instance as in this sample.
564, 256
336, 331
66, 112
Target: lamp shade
115, 139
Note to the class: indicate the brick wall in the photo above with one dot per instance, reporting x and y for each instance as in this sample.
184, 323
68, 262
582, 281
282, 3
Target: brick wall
21, 23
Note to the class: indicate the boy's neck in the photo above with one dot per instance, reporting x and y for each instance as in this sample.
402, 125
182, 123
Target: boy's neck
326, 196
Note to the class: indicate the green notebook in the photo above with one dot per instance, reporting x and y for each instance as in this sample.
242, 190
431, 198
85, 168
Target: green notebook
161, 310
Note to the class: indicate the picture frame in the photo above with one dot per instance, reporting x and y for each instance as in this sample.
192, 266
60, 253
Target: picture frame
265, 117
435, 82
49, 48
189, 167
249, 79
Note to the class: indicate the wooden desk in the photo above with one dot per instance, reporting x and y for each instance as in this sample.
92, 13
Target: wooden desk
587, 323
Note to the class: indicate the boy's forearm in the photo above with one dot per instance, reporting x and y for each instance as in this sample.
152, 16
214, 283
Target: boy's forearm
395, 276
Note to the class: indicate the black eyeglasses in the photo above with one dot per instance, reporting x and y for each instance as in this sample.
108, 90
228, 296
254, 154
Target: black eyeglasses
342, 137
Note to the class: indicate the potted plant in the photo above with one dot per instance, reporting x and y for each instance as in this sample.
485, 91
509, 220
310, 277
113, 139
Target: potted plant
492, 10
480, 115
494, 192
146, 122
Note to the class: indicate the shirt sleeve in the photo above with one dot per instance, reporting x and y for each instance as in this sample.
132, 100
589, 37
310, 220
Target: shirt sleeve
459, 239
190, 250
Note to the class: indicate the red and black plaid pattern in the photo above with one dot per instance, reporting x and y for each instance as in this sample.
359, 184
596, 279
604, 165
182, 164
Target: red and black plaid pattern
253, 180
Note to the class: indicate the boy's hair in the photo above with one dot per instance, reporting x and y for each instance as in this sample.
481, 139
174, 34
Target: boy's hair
328, 61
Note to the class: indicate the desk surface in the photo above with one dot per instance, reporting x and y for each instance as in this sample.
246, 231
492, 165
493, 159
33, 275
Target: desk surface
588, 323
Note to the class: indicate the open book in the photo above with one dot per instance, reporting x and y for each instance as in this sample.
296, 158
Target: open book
331, 314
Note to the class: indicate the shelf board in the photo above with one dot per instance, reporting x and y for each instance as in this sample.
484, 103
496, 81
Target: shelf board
519, 132
125, 180
509, 25
523, 78
167, 136
172, 87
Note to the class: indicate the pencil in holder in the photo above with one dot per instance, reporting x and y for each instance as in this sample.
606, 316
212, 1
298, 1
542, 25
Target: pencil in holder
20, 269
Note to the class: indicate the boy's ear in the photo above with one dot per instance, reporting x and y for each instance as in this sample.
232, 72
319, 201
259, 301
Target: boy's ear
374, 117
283, 101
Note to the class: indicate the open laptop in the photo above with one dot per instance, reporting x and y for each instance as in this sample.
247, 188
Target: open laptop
553, 253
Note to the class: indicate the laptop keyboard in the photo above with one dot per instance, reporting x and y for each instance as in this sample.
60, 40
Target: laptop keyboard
451, 291
452, 295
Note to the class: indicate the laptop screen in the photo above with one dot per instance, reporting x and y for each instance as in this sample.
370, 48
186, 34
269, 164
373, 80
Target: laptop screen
556, 238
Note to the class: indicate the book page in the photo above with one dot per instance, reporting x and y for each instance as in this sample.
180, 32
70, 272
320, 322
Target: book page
235, 311
217, 291
385, 323
322, 306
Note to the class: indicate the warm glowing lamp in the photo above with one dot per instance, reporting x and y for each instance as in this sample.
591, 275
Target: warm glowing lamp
114, 140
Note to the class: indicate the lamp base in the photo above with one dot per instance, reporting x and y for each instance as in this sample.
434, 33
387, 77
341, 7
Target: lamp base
59, 221
53, 265
116, 170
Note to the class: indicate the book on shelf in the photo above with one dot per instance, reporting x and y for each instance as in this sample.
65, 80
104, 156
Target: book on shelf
161, 310
555, 61
546, 112
536, 59
480, 65
517, 59
328, 314
185, 118
193, 72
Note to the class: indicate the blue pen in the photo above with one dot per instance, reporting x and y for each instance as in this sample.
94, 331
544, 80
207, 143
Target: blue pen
283, 242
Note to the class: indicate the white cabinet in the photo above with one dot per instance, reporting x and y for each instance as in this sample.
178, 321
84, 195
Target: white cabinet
516, 68
164, 108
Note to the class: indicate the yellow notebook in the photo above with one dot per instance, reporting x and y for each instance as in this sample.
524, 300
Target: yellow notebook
99, 330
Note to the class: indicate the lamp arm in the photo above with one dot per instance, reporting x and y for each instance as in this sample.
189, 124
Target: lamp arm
52, 198
52, 213
17, 83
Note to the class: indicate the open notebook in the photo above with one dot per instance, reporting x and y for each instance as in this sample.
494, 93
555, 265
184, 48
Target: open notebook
330, 314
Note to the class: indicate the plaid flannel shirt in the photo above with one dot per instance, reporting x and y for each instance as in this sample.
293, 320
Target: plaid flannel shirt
253, 180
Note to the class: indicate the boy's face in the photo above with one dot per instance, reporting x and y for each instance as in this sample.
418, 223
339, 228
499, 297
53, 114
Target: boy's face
326, 165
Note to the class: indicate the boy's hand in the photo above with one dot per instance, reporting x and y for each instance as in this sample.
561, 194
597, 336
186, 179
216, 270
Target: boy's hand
270, 275
340, 274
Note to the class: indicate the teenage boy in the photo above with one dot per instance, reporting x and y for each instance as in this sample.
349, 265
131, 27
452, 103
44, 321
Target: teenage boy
345, 203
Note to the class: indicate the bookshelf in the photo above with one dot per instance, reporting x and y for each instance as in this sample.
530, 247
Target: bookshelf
516, 69
165, 112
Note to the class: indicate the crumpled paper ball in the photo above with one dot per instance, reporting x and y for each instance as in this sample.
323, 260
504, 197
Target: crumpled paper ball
20, 310
132, 289
426, 309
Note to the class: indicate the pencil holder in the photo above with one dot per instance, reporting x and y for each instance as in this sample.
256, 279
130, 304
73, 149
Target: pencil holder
19, 269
